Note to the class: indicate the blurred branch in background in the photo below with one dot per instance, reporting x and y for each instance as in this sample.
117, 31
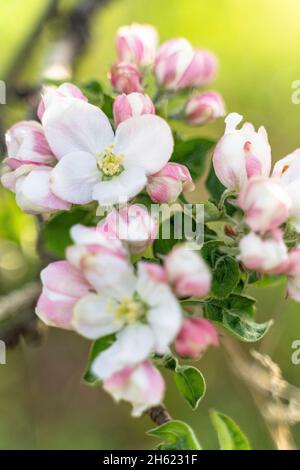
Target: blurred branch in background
17, 308
276, 400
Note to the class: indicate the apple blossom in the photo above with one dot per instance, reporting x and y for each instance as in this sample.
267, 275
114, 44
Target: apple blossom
145, 316
103, 261
187, 272
269, 255
65, 90
241, 153
133, 225
137, 43
168, 183
265, 203
203, 108
95, 164
125, 78
142, 386
63, 285
178, 65
26, 143
195, 336
288, 170
134, 104
31, 184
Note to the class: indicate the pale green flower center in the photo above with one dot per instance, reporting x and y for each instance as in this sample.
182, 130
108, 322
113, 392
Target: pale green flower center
130, 310
109, 163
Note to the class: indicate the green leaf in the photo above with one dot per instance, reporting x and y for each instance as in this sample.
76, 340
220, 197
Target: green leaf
56, 232
171, 232
189, 381
107, 105
241, 304
229, 434
176, 435
241, 326
214, 185
210, 253
97, 347
191, 384
211, 212
193, 154
226, 275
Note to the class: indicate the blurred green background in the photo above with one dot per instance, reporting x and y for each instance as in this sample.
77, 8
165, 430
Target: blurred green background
43, 404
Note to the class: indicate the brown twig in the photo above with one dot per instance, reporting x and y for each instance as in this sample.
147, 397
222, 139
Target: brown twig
159, 414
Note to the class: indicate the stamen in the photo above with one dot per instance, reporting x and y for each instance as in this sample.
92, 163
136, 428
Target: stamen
109, 163
130, 310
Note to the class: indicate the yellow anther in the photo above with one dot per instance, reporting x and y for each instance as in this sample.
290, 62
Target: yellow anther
110, 164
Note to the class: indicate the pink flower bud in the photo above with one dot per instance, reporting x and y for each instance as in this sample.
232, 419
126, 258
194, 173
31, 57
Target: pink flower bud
269, 255
178, 65
195, 336
134, 104
169, 182
63, 286
265, 203
288, 170
66, 90
204, 108
26, 143
133, 225
125, 78
137, 43
293, 272
142, 386
241, 153
187, 272
31, 184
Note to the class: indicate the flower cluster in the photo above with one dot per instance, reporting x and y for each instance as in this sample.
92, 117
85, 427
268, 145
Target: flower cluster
269, 200
97, 292
133, 309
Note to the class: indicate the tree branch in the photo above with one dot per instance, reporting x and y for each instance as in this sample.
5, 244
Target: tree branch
159, 414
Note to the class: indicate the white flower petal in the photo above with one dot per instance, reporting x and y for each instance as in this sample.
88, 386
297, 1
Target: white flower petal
72, 125
132, 346
121, 188
164, 315
74, 177
146, 141
93, 316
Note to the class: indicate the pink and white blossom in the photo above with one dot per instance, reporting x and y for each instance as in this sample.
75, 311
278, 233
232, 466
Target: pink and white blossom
31, 184
133, 225
137, 43
265, 202
204, 108
167, 184
142, 386
241, 153
26, 144
266, 255
187, 272
145, 316
126, 78
178, 65
195, 336
134, 104
95, 164
63, 285
288, 170
51, 95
